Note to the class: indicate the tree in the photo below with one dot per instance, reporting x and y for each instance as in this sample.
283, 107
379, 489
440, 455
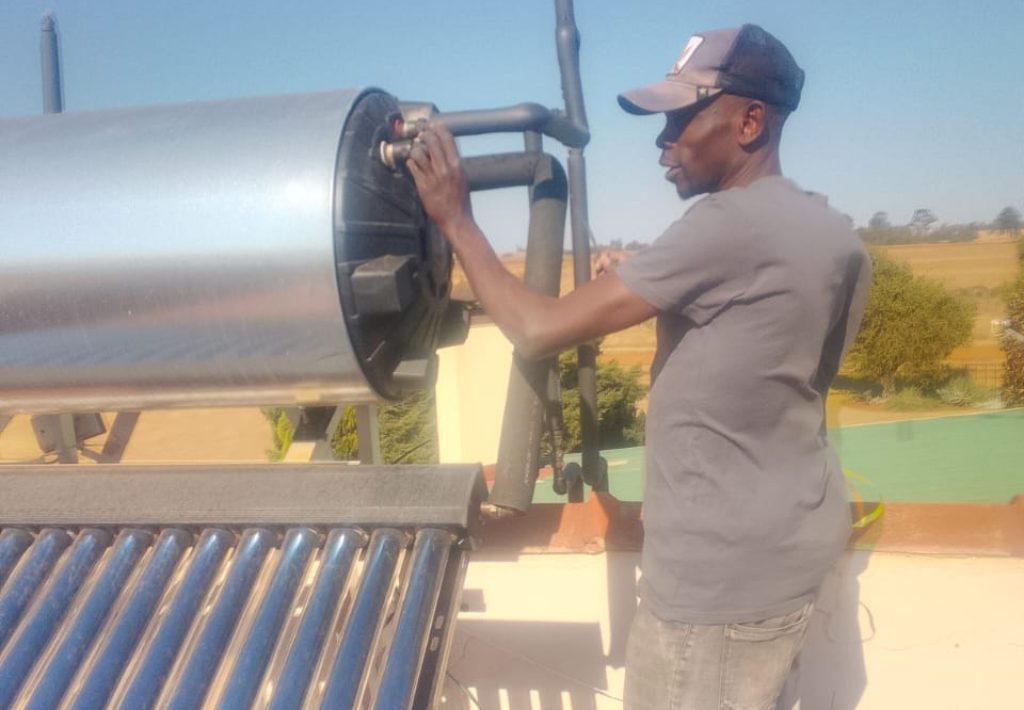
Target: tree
879, 221
1008, 220
922, 221
911, 324
1013, 372
407, 429
619, 390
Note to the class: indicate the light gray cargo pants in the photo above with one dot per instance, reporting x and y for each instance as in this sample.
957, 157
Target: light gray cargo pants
676, 666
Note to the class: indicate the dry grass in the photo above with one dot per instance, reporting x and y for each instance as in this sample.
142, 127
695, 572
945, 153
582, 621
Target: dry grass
962, 266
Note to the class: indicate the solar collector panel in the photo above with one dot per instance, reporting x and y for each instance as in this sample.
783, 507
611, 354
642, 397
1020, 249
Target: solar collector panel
275, 616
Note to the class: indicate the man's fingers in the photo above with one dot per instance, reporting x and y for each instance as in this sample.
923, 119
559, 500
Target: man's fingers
442, 145
419, 157
451, 151
607, 261
432, 142
415, 170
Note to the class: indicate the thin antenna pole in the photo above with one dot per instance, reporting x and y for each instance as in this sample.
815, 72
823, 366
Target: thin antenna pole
49, 55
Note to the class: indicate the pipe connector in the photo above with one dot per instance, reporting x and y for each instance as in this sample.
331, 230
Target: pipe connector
395, 153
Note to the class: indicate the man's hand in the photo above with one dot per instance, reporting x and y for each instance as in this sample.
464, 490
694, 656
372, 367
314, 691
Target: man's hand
606, 261
440, 180
536, 324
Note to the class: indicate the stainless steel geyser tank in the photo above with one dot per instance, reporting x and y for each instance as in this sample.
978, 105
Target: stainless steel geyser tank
249, 251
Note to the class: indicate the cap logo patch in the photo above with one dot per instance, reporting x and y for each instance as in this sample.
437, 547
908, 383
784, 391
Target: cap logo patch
688, 51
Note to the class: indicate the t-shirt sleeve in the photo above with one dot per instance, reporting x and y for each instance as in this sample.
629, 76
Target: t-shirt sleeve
697, 267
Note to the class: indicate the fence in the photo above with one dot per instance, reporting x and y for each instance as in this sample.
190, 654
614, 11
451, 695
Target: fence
985, 374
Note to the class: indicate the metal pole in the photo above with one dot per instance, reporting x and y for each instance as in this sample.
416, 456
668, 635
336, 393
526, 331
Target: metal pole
567, 39
368, 434
49, 51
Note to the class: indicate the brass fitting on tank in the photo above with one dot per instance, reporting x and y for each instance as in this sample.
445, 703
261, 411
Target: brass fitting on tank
404, 135
395, 153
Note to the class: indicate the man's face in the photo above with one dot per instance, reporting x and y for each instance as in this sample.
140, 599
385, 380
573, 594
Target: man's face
696, 146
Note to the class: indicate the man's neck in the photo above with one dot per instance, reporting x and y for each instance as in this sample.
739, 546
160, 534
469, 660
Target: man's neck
761, 164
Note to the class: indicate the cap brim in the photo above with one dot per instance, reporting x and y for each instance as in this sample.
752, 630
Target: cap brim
661, 97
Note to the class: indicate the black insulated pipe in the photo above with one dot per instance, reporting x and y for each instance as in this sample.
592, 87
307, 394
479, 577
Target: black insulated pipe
522, 423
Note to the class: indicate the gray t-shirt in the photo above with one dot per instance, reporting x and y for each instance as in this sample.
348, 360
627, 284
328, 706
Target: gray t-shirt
760, 291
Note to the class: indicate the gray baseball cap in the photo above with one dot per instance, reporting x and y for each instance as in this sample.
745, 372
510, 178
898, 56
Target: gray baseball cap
746, 61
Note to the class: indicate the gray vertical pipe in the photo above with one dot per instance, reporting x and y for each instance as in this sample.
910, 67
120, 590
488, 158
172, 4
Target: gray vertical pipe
533, 143
49, 55
567, 40
522, 422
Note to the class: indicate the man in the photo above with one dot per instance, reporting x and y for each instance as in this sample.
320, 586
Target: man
758, 291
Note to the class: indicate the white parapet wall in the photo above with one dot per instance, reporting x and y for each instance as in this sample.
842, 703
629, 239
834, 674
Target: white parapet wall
472, 382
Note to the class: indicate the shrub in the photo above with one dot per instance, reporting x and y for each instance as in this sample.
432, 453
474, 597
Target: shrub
1013, 375
909, 399
407, 429
620, 423
911, 324
962, 391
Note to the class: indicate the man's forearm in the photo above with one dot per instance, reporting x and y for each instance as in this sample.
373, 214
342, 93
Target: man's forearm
536, 324
517, 310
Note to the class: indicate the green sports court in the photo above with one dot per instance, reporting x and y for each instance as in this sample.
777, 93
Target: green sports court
969, 458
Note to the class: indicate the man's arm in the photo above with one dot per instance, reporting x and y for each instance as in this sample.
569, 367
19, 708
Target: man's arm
537, 325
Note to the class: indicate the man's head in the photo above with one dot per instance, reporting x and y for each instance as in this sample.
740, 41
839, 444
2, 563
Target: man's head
725, 101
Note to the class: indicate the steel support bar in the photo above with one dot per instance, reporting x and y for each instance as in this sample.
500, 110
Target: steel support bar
567, 40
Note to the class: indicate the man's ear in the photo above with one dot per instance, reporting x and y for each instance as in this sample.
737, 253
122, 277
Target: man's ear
753, 127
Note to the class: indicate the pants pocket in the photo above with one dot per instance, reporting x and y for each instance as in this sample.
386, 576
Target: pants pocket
757, 658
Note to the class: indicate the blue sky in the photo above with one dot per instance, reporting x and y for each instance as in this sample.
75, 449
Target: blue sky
915, 103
